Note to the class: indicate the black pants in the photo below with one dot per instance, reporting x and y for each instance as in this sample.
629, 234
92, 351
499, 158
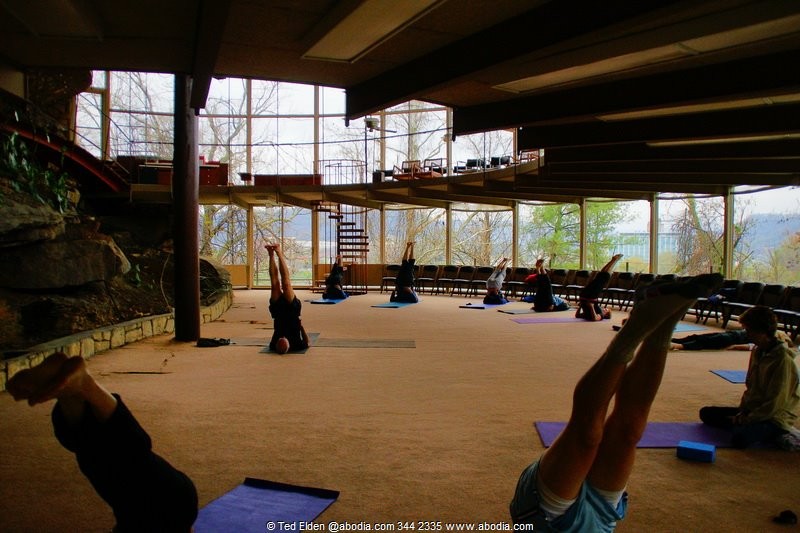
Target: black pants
543, 299
405, 276
742, 436
594, 288
145, 492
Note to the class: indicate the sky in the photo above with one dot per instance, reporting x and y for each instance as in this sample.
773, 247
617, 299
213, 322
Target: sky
785, 200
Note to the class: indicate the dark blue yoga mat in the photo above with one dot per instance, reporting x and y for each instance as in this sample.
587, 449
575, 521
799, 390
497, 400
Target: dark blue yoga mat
734, 376
656, 435
256, 502
325, 301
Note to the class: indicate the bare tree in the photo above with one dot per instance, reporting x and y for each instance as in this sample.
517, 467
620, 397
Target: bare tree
701, 234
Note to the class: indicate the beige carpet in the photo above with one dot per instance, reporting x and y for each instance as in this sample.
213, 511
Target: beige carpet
438, 432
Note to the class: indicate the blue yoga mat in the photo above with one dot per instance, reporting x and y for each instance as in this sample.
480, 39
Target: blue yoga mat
325, 301
683, 326
394, 304
257, 502
734, 376
656, 435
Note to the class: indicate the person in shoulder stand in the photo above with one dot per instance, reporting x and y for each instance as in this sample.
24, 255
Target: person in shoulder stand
579, 483
289, 334
494, 285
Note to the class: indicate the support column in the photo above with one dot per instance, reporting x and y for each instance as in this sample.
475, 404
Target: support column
250, 247
727, 236
185, 194
448, 234
582, 250
383, 236
654, 223
515, 234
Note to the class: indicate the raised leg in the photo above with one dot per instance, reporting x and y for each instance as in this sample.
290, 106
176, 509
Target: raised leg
589, 443
274, 279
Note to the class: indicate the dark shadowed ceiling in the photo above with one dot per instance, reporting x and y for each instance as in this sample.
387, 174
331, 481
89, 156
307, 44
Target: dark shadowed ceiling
628, 98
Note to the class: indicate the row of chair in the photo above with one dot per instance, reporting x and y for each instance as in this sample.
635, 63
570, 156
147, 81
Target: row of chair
456, 279
739, 296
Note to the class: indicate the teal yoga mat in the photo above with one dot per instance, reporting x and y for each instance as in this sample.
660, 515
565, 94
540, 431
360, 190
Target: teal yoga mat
394, 305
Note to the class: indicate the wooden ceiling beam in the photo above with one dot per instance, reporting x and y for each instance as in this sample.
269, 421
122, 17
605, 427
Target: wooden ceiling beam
211, 19
512, 38
772, 120
751, 76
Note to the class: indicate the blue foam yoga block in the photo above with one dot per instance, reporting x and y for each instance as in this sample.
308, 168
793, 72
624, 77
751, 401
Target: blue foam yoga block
697, 451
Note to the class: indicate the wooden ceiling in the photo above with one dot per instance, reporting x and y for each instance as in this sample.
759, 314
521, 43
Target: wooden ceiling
627, 98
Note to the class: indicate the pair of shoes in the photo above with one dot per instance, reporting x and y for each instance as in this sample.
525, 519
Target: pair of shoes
789, 442
204, 342
786, 517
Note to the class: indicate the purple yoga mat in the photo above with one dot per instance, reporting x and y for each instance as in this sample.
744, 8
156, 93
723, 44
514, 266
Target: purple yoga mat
656, 435
257, 504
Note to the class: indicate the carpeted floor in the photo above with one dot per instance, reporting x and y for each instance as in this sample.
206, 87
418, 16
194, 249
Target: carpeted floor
438, 432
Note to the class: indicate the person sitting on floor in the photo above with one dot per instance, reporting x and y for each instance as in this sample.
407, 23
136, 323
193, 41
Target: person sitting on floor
113, 451
768, 408
494, 285
579, 483
289, 334
544, 300
333, 283
404, 283
589, 307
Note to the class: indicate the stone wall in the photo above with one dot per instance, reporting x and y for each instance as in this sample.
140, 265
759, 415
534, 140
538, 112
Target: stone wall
88, 343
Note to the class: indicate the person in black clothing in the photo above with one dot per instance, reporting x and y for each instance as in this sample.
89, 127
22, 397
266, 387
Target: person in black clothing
722, 340
113, 451
289, 334
333, 283
544, 300
404, 283
589, 307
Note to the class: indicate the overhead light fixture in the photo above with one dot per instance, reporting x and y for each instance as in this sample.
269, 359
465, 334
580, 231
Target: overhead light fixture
727, 140
366, 27
702, 107
590, 70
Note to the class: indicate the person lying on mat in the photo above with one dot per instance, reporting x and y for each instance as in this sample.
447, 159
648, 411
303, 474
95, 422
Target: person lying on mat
768, 408
494, 285
579, 483
404, 283
735, 339
544, 300
589, 307
333, 283
289, 334
113, 451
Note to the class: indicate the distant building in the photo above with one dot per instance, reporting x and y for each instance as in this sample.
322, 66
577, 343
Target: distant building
638, 244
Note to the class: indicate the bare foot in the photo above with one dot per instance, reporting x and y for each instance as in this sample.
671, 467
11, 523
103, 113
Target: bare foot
68, 381
26, 383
